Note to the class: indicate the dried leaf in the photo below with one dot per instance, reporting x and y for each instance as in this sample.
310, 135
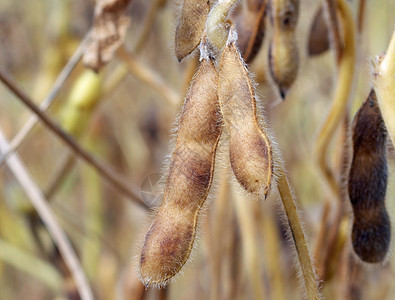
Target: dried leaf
108, 33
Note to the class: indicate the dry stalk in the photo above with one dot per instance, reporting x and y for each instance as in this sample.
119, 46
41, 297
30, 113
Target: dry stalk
298, 237
60, 80
342, 94
247, 226
103, 170
39, 202
384, 83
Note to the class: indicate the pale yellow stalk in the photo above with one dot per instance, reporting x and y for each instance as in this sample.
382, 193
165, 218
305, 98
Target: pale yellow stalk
384, 84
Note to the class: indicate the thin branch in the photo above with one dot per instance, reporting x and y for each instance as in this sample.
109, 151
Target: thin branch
57, 179
148, 76
60, 80
109, 174
39, 202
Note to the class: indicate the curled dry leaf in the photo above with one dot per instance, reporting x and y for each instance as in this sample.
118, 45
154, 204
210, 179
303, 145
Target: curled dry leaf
109, 30
367, 183
170, 238
190, 26
249, 146
319, 34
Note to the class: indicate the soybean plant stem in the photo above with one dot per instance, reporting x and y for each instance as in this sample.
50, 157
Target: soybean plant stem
216, 30
40, 204
341, 97
298, 237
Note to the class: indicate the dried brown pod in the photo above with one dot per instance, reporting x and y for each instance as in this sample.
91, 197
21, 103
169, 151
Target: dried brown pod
367, 183
250, 25
190, 26
249, 146
108, 33
169, 240
319, 34
283, 51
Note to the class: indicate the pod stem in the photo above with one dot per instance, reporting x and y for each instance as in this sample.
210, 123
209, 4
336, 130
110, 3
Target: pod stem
384, 83
342, 94
216, 30
298, 237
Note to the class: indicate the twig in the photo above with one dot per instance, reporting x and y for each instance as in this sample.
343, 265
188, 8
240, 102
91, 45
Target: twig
22, 134
148, 76
342, 94
57, 179
110, 175
334, 28
36, 197
308, 272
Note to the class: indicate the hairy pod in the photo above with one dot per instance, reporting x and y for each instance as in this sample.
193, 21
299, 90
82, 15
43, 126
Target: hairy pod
249, 147
367, 183
319, 34
250, 25
283, 51
190, 26
169, 240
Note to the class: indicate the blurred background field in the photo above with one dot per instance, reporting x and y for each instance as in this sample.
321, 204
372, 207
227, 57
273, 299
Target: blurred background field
241, 251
